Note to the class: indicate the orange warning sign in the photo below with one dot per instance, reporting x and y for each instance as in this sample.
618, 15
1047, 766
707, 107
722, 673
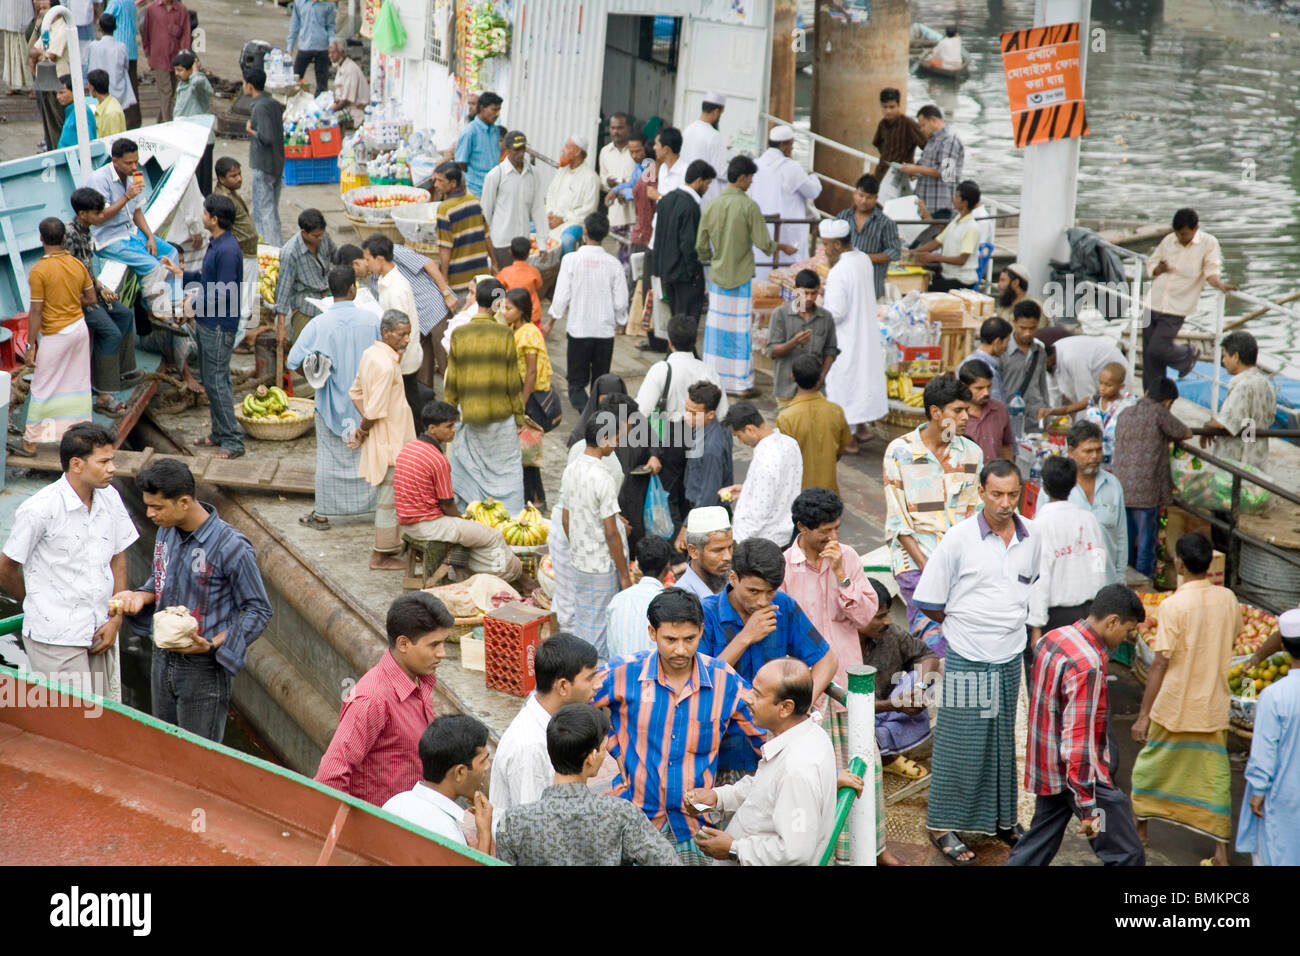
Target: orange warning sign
1044, 73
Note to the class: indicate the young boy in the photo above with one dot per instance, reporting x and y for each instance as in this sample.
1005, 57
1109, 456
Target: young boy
590, 519
995, 334
708, 460
1104, 407
109, 118
520, 275
1269, 826
194, 98
230, 179
817, 424
799, 328
454, 760
66, 100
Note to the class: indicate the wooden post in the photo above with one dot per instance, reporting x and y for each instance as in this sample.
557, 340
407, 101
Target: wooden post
785, 46
852, 63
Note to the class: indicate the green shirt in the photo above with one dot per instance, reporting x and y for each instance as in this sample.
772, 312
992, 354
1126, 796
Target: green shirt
483, 373
244, 230
730, 227
194, 98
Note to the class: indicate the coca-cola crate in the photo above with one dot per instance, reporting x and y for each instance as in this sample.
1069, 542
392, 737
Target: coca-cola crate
511, 635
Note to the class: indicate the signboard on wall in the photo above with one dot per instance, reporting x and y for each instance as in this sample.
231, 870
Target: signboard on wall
1044, 72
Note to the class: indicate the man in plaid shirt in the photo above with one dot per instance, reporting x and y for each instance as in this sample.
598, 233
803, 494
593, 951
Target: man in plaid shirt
939, 169
1069, 760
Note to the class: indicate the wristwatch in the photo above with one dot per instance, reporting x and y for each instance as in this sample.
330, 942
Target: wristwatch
732, 855
845, 582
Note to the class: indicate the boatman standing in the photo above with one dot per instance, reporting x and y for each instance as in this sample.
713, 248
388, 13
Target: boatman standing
856, 380
783, 188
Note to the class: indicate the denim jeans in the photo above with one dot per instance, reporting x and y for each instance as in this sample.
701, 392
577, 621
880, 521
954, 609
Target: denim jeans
266, 206
570, 239
109, 325
191, 691
215, 345
1143, 527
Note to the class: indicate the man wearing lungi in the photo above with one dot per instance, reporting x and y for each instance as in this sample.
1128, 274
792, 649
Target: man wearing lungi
731, 226
386, 426
977, 584
331, 346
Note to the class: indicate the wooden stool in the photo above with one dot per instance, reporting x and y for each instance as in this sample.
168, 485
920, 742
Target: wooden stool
423, 560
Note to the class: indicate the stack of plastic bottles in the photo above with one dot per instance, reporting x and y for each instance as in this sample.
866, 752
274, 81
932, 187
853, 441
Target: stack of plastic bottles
279, 68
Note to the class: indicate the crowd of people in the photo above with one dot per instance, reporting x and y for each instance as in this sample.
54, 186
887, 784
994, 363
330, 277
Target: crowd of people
683, 714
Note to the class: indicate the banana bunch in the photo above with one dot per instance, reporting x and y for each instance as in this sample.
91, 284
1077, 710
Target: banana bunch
527, 529
489, 512
267, 404
268, 267
899, 385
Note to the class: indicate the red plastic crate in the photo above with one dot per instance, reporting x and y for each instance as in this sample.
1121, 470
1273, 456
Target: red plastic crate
923, 361
511, 635
325, 142
300, 151
1029, 499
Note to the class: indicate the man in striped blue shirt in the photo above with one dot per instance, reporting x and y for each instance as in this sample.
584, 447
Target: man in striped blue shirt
670, 706
478, 148
626, 628
205, 565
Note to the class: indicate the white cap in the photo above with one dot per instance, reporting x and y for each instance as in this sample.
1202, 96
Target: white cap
780, 134
718, 98
1289, 623
580, 142
833, 229
707, 520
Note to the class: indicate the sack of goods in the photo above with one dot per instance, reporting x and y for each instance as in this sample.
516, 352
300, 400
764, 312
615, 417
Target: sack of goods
174, 628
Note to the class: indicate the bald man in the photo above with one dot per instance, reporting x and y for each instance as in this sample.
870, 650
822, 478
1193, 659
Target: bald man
785, 812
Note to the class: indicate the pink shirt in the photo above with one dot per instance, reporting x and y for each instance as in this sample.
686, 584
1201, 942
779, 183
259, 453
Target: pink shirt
837, 612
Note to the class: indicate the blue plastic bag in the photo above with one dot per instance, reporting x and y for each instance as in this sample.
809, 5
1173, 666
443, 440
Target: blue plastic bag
658, 518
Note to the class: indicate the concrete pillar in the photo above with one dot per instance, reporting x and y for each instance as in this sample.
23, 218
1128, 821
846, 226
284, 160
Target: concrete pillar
852, 62
1051, 173
785, 43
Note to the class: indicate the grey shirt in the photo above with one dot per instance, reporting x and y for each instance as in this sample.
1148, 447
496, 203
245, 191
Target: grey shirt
266, 145
569, 825
1015, 366
786, 323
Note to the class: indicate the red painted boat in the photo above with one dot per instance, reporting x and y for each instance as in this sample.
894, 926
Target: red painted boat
84, 781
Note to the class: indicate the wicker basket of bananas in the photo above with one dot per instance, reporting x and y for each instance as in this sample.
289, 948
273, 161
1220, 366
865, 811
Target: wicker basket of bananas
271, 415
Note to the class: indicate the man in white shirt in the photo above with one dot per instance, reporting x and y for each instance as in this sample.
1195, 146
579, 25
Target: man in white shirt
702, 140
959, 261
574, 193
395, 293
678, 372
1074, 561
627, 626
785, 811
947, 52
1182, 263
65, 558
856, 379
615, 165
455, 759
1074, 363
977, 585
773, 481
513, 195
592, 290
782, 187
566, 670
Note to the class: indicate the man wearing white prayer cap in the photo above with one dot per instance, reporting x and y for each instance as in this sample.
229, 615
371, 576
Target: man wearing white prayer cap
856, 380
783, 188
573, 194
708, 542
702, 140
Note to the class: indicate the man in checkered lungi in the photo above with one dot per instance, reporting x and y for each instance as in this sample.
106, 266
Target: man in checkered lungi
731, 226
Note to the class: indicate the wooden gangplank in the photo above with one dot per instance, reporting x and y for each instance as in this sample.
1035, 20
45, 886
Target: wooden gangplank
246, 473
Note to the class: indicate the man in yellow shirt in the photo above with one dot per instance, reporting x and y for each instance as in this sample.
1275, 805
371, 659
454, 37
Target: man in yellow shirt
109, 118
817, 424
1182, 774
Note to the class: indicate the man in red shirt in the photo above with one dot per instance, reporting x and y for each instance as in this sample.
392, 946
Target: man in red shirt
164, 32
426, 506
988, 422
375, 752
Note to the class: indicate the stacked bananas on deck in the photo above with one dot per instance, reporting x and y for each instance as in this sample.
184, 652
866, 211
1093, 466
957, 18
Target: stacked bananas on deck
268, 404
899, 385
527, 529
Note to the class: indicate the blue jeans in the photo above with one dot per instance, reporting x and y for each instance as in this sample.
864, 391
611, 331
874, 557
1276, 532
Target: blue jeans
109, 325
570, 239
134, 254
1143, 527
266, 206
191, 691
215, 345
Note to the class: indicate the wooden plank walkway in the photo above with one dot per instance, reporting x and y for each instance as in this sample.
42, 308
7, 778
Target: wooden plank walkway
241, 473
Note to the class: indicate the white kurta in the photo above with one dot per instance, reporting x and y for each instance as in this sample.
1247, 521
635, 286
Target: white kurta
856, 380
574, 192
782, 188
702, 141
1079, 361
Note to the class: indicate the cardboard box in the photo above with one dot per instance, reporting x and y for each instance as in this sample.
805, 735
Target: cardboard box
1216, 573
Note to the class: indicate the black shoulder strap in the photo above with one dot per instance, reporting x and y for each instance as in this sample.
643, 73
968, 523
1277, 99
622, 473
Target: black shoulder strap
663, 396
1029, 371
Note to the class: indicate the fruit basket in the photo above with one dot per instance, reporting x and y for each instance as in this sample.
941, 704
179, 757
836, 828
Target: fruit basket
271, 415
268, 271
375, 204
418, 223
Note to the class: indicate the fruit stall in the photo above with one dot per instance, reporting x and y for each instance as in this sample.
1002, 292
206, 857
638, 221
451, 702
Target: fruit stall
526, 533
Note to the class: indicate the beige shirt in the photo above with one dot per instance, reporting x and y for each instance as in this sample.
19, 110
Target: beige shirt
1178, 292
618, 163
350, 85
574, 192
1196, 630
379, 395
395, 293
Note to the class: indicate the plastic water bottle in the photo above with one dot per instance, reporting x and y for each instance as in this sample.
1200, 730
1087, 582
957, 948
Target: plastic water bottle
1017, 409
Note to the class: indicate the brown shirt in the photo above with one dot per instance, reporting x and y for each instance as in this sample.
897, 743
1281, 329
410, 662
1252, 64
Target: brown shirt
1142, 436
991, 430
244, 230
897, 141
57, 281
894, 652
821, 430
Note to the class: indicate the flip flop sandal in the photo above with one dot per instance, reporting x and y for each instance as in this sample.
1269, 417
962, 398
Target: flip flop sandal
314, 521
1012, 835
115, 409
951, 846
205, 442
903, 767
16, 449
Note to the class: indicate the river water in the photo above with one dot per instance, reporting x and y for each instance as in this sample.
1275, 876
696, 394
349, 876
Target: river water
1191, 103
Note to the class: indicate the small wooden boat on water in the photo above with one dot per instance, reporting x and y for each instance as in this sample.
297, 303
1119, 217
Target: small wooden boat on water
126, 789
925, 67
